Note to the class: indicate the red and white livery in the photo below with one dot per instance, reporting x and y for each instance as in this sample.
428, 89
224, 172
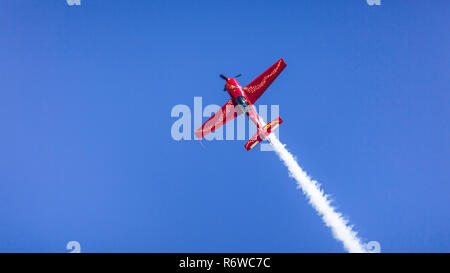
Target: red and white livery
242, 101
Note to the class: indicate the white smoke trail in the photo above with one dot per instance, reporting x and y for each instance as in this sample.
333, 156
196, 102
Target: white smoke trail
311, 188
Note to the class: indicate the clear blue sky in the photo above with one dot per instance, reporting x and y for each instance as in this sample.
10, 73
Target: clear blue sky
86, 152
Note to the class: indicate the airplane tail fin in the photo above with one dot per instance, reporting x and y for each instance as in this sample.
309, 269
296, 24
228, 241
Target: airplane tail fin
263, 133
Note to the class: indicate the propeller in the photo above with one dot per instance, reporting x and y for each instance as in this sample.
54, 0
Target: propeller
226, 78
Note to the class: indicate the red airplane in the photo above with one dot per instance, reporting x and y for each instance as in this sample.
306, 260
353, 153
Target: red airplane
242, 101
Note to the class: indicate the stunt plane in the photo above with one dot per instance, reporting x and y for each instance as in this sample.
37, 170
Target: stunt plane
242, 101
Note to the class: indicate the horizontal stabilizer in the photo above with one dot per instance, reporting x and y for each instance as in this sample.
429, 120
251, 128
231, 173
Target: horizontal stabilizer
263, 133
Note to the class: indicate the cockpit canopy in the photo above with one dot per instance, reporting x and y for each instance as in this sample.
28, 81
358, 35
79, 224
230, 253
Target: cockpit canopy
242, 101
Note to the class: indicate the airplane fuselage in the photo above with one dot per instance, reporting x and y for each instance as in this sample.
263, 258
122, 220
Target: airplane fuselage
238, 96
242, 100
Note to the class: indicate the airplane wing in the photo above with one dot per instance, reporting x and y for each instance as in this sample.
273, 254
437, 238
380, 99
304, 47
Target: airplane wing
225, 114
256, 88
